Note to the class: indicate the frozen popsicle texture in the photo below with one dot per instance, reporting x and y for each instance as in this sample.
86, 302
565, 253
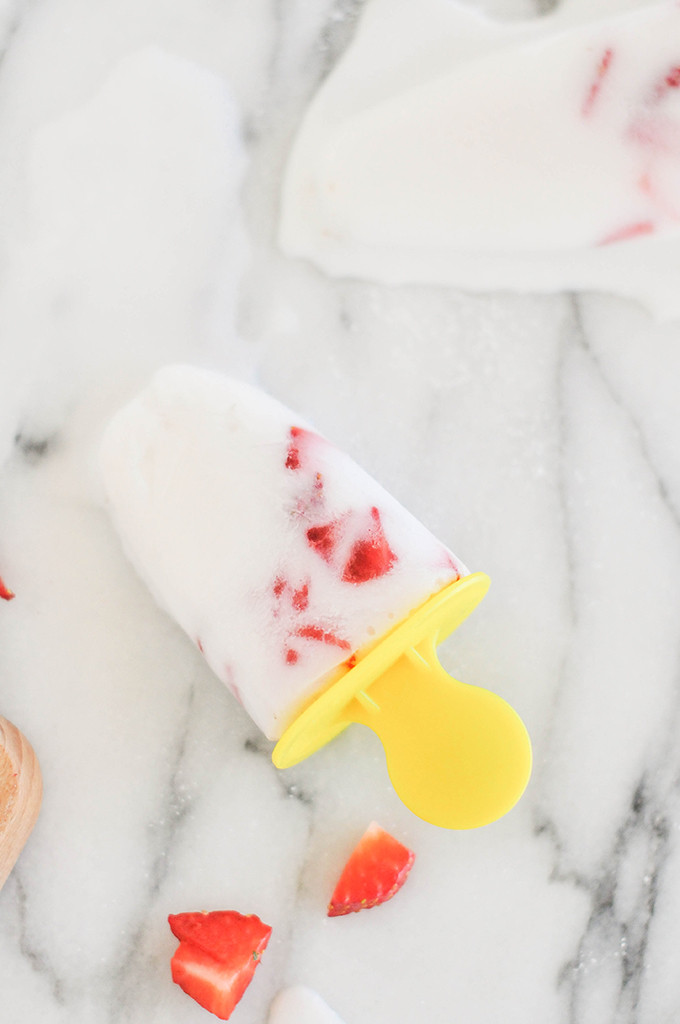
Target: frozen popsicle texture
540, 156
276, 553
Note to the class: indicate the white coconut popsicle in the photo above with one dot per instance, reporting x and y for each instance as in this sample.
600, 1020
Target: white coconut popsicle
536, 156
277, 554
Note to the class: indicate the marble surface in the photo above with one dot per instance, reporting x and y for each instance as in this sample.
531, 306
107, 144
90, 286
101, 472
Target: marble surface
141, 151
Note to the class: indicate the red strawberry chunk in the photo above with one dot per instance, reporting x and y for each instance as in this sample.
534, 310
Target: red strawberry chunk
375, 871
602, 68
5, 592
300, 598
300, 442
324, 636
204, 979
324, 539
217, 956
371, 556
293, 456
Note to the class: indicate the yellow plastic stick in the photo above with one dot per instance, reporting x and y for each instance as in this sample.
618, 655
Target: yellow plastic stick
458, 756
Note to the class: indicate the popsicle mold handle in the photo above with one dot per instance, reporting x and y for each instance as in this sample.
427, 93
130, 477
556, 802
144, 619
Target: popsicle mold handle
458, 755
464, 759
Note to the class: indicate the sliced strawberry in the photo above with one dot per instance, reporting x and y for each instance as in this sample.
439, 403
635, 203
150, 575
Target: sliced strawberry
324, 539
217, 956
375, 871
222, 933
371, 556
5, 592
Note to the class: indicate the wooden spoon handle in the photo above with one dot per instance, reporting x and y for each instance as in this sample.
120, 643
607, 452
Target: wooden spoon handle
20, 794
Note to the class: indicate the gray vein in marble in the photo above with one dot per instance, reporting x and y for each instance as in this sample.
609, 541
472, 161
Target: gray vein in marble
175, 807
622, 938
13, 24
309, 809
262, 747
547, 6
37, 958
610, 936
338, 31
581, 338
257, 744
173, 810
292, 790
543, 825
34, 448
613, 940
562, 487
333, 37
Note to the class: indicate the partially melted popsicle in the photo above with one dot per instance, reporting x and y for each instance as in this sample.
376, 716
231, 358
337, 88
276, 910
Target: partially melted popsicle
449, 148
293, 570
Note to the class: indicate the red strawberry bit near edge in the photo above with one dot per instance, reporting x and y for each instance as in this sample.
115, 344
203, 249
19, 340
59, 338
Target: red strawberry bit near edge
300, 598
603, 66
217, 956
671, 80
375, 871
286, 593
323, 636
371, 556
5, 593
628, 231
300, 440
324, 539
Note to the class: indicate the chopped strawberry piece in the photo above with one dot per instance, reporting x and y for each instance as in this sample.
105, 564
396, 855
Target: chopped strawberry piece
298, 447
217, 956
293, 456
671, 80
5, 592
371, 556
603, 66
323, 539
375, 871
300, 598
324, 636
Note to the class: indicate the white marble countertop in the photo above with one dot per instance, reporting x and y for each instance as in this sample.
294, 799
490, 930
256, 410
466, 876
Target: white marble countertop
536, 435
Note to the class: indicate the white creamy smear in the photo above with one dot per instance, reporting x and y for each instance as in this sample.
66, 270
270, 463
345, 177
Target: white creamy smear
448, 148
301, 1005
276, 553
125, 246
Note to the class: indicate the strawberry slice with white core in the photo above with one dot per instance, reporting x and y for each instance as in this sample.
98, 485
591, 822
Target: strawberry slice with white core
375, 871
5, 593
217, 956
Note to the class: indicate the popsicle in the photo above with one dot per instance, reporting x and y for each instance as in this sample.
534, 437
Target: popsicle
450, 148
313, 594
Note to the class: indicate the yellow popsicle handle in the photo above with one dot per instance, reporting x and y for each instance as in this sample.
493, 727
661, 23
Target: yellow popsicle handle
458, 756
